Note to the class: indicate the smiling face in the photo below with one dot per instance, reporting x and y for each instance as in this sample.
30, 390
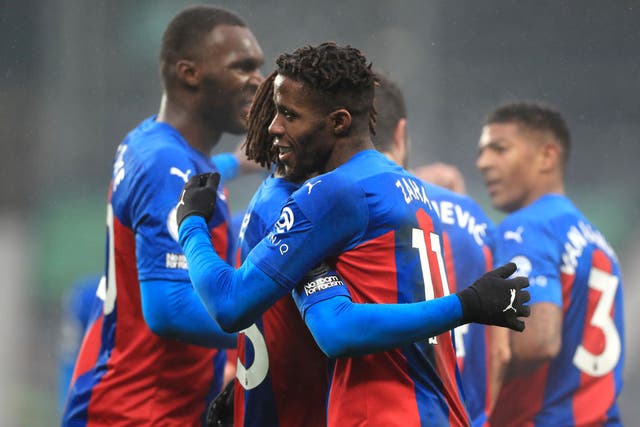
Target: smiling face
510, 161
230, 64
301, 130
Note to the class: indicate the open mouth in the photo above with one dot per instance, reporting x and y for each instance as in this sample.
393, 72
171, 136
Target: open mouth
284, 152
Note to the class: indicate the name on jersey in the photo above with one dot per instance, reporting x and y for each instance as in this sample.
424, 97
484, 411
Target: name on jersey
577, 239
454, 214
322, 283
411, 191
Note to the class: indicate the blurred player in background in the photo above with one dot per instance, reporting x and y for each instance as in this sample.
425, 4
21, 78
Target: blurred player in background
77, 303
153, 358
443, 175
373, 222
467, 253
566, 368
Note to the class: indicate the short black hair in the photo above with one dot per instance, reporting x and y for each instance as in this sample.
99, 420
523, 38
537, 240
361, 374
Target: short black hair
339, 71
535, 116
184, 34
390, 109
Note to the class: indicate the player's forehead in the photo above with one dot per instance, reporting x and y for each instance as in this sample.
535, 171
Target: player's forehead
292, 93
498, 133
231, 43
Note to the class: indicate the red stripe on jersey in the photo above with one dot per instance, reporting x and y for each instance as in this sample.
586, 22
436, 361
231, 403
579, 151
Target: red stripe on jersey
149, 380
297, 367
89, 349
363, 388
220, 240
444, 352
488, 258
449, 264
373, 390
595, 394
524, 395
375, 261
488, 378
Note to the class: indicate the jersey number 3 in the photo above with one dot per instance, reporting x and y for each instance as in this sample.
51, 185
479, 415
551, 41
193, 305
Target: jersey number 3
601, 364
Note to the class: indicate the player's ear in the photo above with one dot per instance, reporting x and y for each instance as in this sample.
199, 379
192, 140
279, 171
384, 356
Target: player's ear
400, 137
187, 72
340, 121
551, 157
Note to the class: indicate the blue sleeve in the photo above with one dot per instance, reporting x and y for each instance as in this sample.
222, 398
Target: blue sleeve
234, 298
325, 217
173, 310
227, 165
531, 246
343, 328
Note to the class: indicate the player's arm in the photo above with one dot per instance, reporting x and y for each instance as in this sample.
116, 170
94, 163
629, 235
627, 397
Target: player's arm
533, 255
541, 341
234, 298
171, 309
499, 358
342, 328
170, 306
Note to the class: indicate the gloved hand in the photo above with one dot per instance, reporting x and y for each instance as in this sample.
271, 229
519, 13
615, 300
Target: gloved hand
220, 411
198, 197
495, 300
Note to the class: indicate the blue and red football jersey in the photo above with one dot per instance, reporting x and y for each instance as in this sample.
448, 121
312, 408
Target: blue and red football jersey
125, 373
569, 263
374, 221
282, 374
466, 233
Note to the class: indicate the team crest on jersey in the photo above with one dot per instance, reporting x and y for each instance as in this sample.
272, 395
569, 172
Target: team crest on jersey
172, 223
322, 283
523, 264
285, 222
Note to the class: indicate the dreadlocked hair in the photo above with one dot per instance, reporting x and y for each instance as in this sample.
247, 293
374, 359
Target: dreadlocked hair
258, 145
340, 71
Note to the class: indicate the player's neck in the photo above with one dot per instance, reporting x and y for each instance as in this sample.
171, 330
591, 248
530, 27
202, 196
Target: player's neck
345, 149
193, 127
552, 187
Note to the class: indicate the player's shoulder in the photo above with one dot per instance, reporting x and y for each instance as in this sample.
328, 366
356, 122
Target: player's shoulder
153, 141
155, 151
546, 212
272, 194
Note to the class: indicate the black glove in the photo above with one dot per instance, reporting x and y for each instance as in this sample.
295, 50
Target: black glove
495, 300
220, 411
198, 197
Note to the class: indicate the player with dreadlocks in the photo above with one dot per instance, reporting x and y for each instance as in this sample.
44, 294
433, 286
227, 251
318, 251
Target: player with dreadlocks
370, 220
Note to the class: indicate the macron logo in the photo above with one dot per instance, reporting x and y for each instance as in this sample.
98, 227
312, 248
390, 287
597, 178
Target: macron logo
311, 185
514, 235
177, 172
